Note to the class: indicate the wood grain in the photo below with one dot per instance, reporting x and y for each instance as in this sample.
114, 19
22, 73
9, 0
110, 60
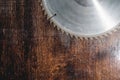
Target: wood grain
32, 49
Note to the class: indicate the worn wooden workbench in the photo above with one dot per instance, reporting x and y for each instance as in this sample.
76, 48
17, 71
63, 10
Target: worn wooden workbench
32, 49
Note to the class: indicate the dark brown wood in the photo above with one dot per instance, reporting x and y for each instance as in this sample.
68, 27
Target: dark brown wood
32, 49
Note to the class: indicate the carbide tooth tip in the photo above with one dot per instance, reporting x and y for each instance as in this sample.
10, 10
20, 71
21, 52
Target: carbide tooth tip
58, 28
87, 38
70, 35
48, 19
51, 22
54, 25
67, 33
96, 38
81, 38
43, 9
63, 31
101, 36
106, 34
91, 38
41, 4
75, 36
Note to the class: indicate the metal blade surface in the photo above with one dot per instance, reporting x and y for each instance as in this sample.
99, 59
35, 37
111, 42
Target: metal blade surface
84, 17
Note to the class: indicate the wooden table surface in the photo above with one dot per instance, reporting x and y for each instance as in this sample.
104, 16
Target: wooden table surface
32, 49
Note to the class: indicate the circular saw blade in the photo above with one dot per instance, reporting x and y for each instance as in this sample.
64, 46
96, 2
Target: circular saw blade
83, 18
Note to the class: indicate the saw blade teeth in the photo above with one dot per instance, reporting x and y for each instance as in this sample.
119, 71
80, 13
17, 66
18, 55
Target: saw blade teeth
58, 28
43, 9
76, 36
62, 31
71, 35
41, 4
50, 21
54, 25
110, 33
45, 13
80, 38
90, 38
85, 38
96, 38
67, 33
101, 36
106, 34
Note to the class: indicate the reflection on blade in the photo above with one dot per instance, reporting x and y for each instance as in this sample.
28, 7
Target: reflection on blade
84, 18
105, 18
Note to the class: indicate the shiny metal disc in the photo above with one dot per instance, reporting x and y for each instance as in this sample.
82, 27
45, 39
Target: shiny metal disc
84, 17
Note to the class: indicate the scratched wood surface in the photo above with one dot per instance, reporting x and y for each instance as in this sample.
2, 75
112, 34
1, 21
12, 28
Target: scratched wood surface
32, 49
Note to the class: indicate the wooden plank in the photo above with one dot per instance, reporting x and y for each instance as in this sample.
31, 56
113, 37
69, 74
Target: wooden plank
32, 49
